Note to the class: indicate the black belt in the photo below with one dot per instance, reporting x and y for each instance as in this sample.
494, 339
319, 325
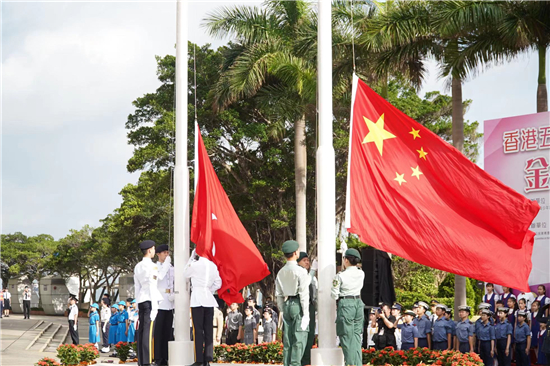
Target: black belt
350, 297
293, 297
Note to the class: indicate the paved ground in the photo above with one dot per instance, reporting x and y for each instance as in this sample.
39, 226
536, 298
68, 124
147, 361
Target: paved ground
25, 341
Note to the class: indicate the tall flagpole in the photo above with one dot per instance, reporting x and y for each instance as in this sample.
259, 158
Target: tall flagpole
327, 353
181, 350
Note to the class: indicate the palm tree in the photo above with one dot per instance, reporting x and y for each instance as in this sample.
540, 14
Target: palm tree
268, 64
461, 35
526, 25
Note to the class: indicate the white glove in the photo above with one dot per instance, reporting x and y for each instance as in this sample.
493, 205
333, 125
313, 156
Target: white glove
315, 265
305, 323
172, 296
168, 260
343, 247
153, 315
104, 328
74, 327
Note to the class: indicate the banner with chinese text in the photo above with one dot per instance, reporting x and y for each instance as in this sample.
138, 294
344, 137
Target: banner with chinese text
517, 152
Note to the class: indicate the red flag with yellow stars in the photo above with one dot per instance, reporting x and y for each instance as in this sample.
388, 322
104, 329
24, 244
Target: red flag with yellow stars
414, 195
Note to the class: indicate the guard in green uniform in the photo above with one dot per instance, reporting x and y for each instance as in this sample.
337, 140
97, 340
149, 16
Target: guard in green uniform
346, 289
292, 293
303, 261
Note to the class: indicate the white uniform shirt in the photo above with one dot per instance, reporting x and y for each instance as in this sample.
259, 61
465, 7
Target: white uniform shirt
539, 299
145, 282
529, 298
205, 280
73, 312
105, 314
7, 295
27, 295
166, 285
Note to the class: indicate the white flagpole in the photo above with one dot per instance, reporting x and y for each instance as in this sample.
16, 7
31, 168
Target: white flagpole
327, 353
196, 165
181, 350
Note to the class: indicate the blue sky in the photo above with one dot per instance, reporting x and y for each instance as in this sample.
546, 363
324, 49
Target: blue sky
70, 71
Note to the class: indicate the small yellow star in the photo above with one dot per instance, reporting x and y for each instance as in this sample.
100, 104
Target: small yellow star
415, 133
416, 172
400, 178
377, 133
421, 153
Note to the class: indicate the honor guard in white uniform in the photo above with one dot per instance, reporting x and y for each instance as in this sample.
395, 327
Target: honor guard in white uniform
147, 296
165, 317
205, 280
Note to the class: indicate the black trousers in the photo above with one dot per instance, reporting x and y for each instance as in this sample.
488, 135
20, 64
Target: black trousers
203, 331
485, 353
74, 333
422, 342
502, 359
163, 334
26, 309
144, 334
522, 359
106, 333
464, 347
232, 337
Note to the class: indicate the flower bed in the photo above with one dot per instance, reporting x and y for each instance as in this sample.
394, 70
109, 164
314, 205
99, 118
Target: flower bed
46, 361
82, 354
265, 353
272, 353
415, 356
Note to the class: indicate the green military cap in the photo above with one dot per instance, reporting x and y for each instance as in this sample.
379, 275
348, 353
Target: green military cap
351, 252
290, 246
302, 256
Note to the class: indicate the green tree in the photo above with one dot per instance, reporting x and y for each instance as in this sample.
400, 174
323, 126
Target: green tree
26, 256
269, 65
526, 25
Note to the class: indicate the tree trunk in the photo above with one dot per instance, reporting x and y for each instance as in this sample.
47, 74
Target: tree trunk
300, 168
458, 142
384, 92
542, 92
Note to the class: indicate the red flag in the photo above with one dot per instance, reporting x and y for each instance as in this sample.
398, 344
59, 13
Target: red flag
414, 195
221, 237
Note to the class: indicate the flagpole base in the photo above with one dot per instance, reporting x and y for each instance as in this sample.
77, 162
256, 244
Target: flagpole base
181, 353
327, 356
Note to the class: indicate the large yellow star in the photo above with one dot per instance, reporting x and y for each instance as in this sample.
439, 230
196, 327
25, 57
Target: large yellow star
400, 178
415, 133
421, 153
416, 172
377, 134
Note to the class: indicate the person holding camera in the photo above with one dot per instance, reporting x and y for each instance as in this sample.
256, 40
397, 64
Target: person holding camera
346, 289
386, 328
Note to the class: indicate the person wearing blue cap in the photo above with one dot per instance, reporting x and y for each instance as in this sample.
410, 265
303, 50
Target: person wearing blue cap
132, 319
113, 321
148, 297
346, 289
93, 330
122, 329
292, 294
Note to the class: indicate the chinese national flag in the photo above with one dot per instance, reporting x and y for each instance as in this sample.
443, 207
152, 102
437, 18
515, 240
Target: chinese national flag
221, 237
414, 195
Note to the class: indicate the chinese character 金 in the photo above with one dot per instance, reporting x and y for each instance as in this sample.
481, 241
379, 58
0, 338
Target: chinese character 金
537, 175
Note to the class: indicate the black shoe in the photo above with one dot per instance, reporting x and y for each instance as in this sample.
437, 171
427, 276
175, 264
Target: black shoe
206, 364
